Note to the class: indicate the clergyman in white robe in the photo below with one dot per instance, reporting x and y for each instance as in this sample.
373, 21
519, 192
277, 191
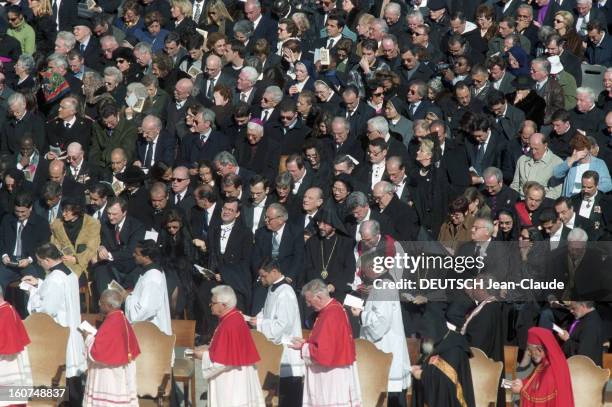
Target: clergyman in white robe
149, 300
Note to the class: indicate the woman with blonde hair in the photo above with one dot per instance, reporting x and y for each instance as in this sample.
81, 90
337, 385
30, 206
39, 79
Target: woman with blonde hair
563, 23
181, 15
218, 19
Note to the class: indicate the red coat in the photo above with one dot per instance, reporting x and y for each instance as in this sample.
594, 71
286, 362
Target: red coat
331, 341
232, 344
115, 343
13, 335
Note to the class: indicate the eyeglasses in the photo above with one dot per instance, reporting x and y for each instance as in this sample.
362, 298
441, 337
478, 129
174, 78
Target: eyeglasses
178, 179
270, 219
288, 118
417, 34
559, 21
377, 94
522, 16
120, 61
13, 19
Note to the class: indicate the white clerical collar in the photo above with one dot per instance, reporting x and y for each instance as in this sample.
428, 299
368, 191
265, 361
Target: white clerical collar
279, 280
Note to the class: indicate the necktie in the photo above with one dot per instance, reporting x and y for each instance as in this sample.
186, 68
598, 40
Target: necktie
205, 225
203, 139
109, 132
54, 9
149, 155
67, 125
412, 109
573, 326
178, 199
18, 240
243, 97
525, 150
479, 156
82, 48
198, 11
264, 117
211, 87
330, 43
117, 235
275, 244
51, 215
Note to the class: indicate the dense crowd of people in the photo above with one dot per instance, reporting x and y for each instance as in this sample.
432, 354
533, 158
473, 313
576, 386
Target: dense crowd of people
197, 155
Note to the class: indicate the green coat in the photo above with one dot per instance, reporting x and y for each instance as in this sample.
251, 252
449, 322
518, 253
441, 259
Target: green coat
124, 136
26, 37
568, 84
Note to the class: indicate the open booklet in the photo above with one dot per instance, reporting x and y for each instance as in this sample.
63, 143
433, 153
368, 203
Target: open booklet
114, 285
87, 328
205, 272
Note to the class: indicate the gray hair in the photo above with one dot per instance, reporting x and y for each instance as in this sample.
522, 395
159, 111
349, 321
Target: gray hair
488, 223
356, 199
417, 14
393, 8
577, 235
156, 121
283, 179
114, 72
345, 123
370, 225
585, 90
225, 295
527, 7
214, 58
27, 62
380, 124
112, 297
245, 27
143, 47
344, 159
209, 116
17, 98
545, 31
316, 286
225, 158
255, 127
67, 38
280, 210
276, 94
251, 73
382, 24
58, 59
589, 2
109, 39
387, 187
138, 88
493, 172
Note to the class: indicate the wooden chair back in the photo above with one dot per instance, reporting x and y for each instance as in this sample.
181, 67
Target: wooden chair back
268, 367
485, 378
184, 330
154, 365
607, 361
414, 350
588, 381
510, 360
47, 350
373, 366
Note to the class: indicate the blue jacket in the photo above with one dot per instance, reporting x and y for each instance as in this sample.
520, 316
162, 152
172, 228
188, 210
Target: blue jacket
563, 170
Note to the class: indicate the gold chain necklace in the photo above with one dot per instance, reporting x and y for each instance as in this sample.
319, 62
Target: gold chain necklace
324, 272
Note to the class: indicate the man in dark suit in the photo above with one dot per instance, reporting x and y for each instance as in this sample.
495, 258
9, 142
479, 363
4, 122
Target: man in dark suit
268, 110
302, 179
204, 215
403, 216
246, 87
229, 252
360, 211
113, 132
177, 109
49, 205
585, 335
281, 241
154, 145
69, 126
119, 237
500, 78
586, 116
65, 14
515, 148
57, 173
292, 133
546, 86
497, 195
264, 26
355, 111
99, 194
419, 106
508, 119
136, 195
258, 153
555, 45
453, 161
22, 232
412, 69
181, 195
593, 205
344, 144
600, 45
22, 122
204, 142
572, 220
253, 212
214, 76
87, 44
485, 147
462, 103
584, 14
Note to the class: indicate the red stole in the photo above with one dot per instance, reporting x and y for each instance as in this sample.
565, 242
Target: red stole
523, 214
539, 389
14, 337
331, 341
232, 344
115, 343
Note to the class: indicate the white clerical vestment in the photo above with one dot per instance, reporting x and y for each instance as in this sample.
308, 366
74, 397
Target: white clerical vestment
382, 324
58, 296
149, 300
279, 321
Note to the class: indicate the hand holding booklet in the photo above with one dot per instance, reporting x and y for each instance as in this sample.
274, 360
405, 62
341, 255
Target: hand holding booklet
87, 328
353, 302
114, 285
209, 274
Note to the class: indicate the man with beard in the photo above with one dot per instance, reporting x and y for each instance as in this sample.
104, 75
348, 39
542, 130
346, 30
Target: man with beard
329, 255
444, 371
550, 380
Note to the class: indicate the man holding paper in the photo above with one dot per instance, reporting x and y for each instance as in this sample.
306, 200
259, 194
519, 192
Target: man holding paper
111, 379
329, 353
228, 364
58, 296
279, 321
14, 363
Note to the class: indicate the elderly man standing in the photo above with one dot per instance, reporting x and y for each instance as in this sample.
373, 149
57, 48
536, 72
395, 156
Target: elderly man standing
111, 378
279, 321
538, 166
228, 364
329, 353
14, 362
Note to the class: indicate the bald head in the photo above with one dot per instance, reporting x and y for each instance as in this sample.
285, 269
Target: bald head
57, 169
